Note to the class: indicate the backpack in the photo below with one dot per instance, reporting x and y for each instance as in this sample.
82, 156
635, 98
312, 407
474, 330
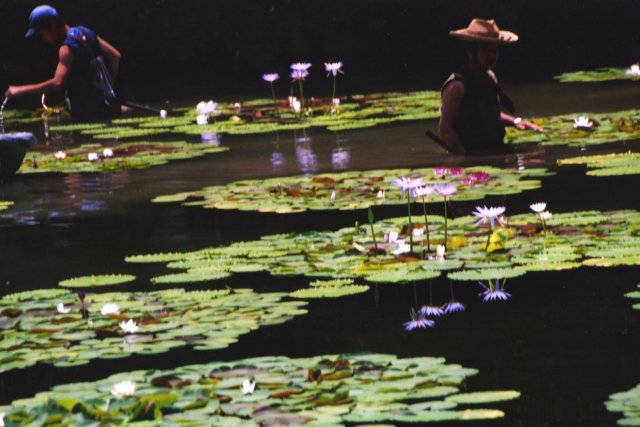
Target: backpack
99, 75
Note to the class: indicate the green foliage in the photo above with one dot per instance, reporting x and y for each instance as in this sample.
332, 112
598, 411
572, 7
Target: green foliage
5, 204
627, 403
353, 189
167, 319
559, 130
93, 281
607, 164
134, 155
572, 239
331, 390
597, 75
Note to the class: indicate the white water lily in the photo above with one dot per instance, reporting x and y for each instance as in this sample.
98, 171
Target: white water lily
402, 248
248, 386
417, 232
60, 154
1, 419
333, 197
380, 194
634, 70
296, 106
163, 114
582, 122
538, 207
62, 309
110, 308
124, 388
545, 216
206, 108
129, 326
489, 214
107, 152
92, 157
391, 236
202, 119
440, 252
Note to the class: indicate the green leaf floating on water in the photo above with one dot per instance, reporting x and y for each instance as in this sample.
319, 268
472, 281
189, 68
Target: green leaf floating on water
330, 289
5, 204
627, 403
572, 240
133, 155
165, 319
597, 75
328, 390
559, 130
353, 189
607, 164
98, 280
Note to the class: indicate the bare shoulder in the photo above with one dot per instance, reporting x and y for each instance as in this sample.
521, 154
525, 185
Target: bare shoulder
454, 90
65, 54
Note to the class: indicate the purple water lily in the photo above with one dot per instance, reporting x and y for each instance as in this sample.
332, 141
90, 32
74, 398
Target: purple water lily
494, 291
453, 306
270, 77
431, 310
417, 321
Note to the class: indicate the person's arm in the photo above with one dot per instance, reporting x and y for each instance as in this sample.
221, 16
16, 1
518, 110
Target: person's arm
452, 96
112, 56
519, 123
54, 84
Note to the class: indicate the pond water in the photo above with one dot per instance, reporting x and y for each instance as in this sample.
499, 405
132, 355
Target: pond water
566, 339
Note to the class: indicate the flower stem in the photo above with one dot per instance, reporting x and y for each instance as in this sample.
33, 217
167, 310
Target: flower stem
426, 224
445, 223
301, 96
333, 94
486, 247
275, 104
410, 225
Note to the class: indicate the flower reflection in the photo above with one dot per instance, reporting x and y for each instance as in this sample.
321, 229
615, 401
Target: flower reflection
417, 321
431, 310
453, 306
494, 291
307, 159
210, 138
634, 70
340, 158
277, 161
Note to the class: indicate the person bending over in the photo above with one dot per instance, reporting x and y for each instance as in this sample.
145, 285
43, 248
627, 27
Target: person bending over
472, 116
78, 46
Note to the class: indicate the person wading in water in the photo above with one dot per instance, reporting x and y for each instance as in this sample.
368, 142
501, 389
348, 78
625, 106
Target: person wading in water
472, 116
78, 71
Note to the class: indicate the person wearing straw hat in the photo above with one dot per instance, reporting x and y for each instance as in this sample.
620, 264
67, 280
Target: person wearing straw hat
472, 114
82, 56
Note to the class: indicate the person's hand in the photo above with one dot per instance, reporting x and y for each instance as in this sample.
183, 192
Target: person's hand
13, 91
527, 125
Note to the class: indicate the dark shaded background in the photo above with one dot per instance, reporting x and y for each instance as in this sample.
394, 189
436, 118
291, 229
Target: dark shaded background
200, 49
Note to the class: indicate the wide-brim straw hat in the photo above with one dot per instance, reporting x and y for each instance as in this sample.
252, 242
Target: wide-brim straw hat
484, 30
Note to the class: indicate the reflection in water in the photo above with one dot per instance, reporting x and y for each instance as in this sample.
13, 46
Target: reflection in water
210, 138
494, 290
340, 158
277, 161
54, 117
307, 159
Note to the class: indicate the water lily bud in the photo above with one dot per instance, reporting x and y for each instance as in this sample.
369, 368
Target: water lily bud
107, 152
333, 196
163, 114
440, 252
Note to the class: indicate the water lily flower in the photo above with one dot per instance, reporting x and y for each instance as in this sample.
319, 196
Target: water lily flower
456, 171
417, 232
60, 154
248, 386
296, 106
417, 321
300, 66
62, 309
453, 306
481, 176
489, 214
380, 194
333, 197
407, 183
391, 236
538, 207
423, 191
402, 248
440, 249
298, 75
270, 77
129, 327
92, 157
206, 108
439, 172
124, 388
431, 310
546, 215
335, 102
467, 181
582, 122
634, 70
202, 119
110, 308
163, 114
107, 152
333, 68
445, 190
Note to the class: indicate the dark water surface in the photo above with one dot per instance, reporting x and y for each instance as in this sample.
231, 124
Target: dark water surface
566, 339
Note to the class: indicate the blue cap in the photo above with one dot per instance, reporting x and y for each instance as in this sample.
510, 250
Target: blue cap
38, 17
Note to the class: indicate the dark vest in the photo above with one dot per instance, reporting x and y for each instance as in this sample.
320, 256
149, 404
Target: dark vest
478, 124
83, 101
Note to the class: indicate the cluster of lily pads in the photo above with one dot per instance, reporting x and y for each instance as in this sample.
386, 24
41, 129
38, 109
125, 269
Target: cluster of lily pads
355, 189
581, 130
97, 158
63, 328
601, 74
607, 164
328, 390
5, 204
536, 241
